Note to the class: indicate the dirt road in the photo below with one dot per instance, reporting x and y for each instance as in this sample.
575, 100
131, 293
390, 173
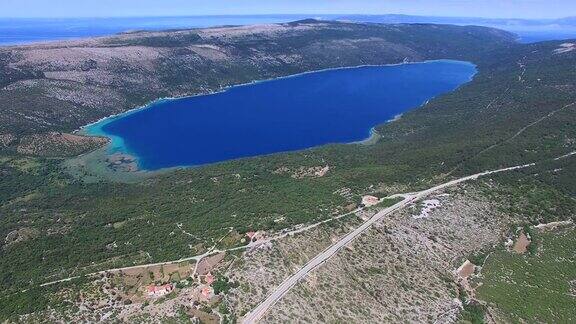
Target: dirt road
287, 284
213, 250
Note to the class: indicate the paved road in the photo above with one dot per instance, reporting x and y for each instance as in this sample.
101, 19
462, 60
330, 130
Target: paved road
408, 198
290, 282
212, 251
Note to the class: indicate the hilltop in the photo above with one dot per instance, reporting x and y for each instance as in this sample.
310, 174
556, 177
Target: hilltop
61, 86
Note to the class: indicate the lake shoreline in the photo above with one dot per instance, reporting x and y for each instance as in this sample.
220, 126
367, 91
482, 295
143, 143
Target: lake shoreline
227, 88
116, 146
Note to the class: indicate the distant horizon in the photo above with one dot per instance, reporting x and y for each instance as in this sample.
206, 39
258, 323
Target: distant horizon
26, 30
487, 9
308, 15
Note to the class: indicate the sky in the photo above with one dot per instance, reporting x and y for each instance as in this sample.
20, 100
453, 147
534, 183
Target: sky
118, 8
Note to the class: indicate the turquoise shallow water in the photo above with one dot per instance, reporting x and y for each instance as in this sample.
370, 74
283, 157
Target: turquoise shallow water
286, 114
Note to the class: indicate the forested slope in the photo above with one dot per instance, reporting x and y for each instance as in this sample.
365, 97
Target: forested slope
518, 109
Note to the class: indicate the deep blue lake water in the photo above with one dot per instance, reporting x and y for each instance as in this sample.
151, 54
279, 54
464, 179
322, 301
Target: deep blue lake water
286, 114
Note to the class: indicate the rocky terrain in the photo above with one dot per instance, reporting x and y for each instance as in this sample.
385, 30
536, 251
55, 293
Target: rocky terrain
404, 269
56, 144
61, 86
57, 226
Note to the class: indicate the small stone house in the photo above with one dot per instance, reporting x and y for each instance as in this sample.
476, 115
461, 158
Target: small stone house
158, 291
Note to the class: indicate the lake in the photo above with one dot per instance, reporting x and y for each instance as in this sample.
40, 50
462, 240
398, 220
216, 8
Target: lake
285, 114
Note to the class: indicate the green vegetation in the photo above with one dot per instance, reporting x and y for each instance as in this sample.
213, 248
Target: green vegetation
478, 258
535, 287
222, 285
473, 313
386, 203
62, 225
223, 308
39, 298
176, 40
181, 70
534, 195
534, 239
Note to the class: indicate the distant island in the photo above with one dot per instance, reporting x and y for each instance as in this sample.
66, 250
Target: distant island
30, 30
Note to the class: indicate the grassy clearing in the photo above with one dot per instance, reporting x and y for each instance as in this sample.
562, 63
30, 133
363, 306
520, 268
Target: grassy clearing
536, 287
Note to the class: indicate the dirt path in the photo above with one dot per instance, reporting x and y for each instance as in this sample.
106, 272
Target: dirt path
213, 250
518, 133
552, 113
291, 281
522, 66
286, 285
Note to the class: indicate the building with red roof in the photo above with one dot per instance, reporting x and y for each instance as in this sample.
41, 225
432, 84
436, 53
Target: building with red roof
209, 279
251, 235
158, 291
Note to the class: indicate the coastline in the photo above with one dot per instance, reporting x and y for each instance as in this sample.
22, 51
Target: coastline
227, 88
370, 140
374, 136
99, 160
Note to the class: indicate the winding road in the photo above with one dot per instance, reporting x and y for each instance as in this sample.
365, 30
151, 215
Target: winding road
213, 250
409, 198
291, 281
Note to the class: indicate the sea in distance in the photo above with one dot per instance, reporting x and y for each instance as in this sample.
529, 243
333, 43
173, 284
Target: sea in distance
14, 31
29, 30
279, 115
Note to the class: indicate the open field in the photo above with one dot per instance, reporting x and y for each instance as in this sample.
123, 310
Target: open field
539, 286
